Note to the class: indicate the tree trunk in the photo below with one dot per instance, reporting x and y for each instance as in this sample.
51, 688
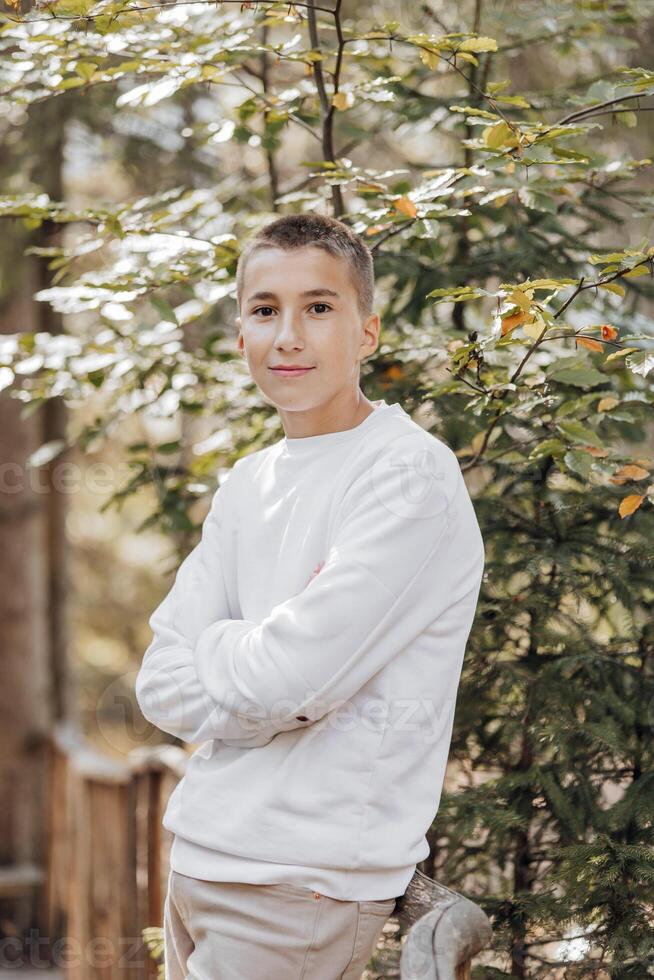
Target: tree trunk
36, 688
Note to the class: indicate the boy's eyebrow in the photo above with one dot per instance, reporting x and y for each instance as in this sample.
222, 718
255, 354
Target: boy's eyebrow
319, 291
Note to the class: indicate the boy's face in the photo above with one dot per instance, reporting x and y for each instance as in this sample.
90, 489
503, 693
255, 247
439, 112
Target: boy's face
279, 325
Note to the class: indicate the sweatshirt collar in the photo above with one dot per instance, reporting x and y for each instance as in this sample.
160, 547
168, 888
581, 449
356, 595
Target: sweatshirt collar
300, 445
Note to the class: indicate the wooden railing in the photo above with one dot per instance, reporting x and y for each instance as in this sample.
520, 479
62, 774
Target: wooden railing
107, 863
107, 871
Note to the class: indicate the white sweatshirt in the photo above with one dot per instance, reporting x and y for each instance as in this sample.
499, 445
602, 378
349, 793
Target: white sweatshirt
324, 704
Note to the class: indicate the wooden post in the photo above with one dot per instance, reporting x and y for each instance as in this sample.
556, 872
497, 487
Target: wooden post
444, 930
153, 768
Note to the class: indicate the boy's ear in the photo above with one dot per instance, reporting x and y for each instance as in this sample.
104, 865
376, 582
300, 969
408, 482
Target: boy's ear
241, 351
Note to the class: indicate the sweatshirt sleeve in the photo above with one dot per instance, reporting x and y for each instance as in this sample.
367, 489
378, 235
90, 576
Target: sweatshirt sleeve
167, 687
388, 573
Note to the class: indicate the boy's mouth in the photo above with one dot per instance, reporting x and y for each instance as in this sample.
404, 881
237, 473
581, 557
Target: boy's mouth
288, 372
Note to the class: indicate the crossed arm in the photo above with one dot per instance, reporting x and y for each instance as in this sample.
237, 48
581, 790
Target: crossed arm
168, 689
207, 676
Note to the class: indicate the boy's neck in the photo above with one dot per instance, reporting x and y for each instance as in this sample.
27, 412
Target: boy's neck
345, 411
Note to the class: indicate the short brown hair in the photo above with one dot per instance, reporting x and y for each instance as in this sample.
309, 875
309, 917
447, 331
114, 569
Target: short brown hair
298, 230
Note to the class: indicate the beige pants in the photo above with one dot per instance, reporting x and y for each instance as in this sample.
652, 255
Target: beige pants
217, 930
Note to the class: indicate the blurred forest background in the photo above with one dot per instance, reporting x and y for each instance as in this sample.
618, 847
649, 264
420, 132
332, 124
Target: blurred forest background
496, 156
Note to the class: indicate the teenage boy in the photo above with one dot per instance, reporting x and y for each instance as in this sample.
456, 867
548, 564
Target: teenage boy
312, 641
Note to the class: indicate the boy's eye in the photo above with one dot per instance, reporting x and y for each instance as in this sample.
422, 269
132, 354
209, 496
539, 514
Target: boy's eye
269, 308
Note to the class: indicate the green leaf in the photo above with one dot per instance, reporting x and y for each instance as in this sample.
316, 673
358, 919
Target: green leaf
599, 258
67, 83
518, 100
471, 111
578, 374
578, 432
456, 294
164, 309
493, 87
579, 462
628, 119
566, 154
86, 69
549, 447
63, 7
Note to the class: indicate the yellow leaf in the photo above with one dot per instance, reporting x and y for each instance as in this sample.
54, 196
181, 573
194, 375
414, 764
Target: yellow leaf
500, 201
406, 206
498, 135
494, 87
477, 441
534, 329
211, 73
613, 287
466, 56
590, 343
639, 270
520, 299
621, 353
343, 100
429, 58
494, 134
478, 44
544, 284
606, 404
629, 504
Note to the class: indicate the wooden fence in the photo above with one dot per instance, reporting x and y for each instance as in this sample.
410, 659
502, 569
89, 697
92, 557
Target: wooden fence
107, 870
